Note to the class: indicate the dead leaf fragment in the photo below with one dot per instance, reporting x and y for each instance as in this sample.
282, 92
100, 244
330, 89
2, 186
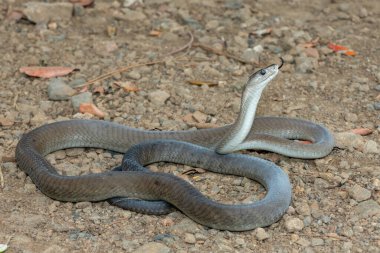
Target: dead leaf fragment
155, 33
46, 72
91, 109
362, 131
127, 86
199, 82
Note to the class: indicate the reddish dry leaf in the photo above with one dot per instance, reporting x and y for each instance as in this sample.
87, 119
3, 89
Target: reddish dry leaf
84, 3
362, 131
91, 109
127, 86
341, 49
198, 82
46, 72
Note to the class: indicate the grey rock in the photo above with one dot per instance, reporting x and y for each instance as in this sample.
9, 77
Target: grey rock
377, 87
317, 242
303, 209
10, 168
212, 24
367, 209
371, 147
38, 118
190, 238
85, 97
359, 193
153, 247
261, 234
303, 242
185, 225
134, 75
59, 90
45, 12
78, 10
376, 105
351, 117
347, 140
294, 224
158, 97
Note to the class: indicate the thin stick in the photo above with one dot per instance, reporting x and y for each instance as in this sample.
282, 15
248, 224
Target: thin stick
188, 45
123, 69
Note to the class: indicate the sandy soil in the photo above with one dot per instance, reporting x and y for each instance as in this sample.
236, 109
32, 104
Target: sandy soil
335, 206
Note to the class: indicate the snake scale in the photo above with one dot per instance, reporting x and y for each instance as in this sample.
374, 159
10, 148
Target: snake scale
206, 148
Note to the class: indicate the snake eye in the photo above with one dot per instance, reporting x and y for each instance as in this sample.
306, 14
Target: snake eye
263, 72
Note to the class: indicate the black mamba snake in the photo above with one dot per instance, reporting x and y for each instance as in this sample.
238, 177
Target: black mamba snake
194, 148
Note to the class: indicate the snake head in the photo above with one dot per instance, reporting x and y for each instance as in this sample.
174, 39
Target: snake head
262, 77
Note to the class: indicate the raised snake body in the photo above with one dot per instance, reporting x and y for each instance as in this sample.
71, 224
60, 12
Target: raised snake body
265, 133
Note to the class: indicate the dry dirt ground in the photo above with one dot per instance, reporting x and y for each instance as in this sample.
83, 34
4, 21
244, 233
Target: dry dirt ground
335, 205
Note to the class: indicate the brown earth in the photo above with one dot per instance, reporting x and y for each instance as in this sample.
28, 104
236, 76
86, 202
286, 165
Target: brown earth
335, 206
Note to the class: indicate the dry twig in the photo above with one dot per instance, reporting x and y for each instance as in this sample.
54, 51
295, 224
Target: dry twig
2, 184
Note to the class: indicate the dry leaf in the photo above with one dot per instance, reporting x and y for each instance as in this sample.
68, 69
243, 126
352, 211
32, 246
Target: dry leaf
341, 49
127, 86
362, 131
198, 82
91, 109
155, 33
84, 3
46, 72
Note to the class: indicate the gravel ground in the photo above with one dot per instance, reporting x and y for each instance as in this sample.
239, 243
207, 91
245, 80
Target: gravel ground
336, 200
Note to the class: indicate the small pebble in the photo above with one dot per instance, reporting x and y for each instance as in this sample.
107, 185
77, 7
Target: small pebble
371, 147
359, 193
190, 238
261, 234
367, 208
158, 97
294, 224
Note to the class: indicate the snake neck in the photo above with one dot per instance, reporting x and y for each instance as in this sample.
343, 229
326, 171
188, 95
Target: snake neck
242, 126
